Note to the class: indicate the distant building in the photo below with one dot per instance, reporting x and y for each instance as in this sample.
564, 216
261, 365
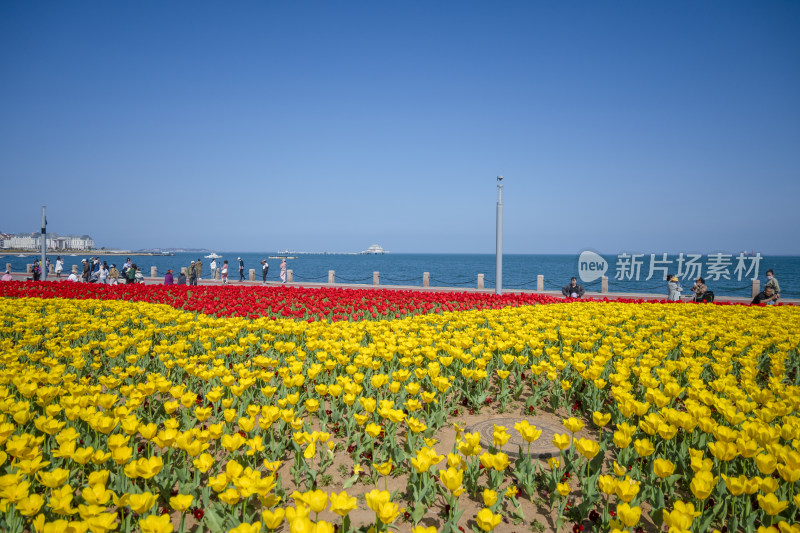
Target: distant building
55, 242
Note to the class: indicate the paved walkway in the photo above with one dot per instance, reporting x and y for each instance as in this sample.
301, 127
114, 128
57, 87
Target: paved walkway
21, 276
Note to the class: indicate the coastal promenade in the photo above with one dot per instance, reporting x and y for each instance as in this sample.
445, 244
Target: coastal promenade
22, 276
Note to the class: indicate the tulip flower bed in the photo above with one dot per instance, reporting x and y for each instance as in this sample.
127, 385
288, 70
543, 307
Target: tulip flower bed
284, 302
138, 416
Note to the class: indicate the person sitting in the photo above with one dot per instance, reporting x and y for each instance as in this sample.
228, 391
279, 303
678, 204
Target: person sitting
182, 278
573, 290
7, 276
767, 296
699, 289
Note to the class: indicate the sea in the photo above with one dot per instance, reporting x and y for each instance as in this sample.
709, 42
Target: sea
726, 275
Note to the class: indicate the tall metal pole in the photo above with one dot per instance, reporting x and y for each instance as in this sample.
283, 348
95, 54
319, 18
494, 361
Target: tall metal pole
43, 262
498, 288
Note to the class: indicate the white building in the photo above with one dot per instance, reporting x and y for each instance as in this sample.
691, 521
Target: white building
33, 241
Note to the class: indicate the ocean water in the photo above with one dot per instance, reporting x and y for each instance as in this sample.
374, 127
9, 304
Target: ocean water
461, 270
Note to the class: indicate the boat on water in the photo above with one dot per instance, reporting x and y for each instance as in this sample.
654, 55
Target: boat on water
282, 257
374, 249
213, 255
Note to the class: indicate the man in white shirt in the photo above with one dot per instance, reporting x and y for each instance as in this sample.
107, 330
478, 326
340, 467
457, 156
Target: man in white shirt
213, 266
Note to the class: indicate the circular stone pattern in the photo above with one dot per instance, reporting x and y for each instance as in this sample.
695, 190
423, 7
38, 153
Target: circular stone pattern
541, 448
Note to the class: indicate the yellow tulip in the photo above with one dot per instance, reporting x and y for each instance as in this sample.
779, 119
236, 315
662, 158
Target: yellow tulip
53, 479
724, 451
702, 484
766, 463
203, 462
601, 419
181, 502
383, 469
563, 489
587, 447
528, 432
681, 517
621, 440
643, 447
629, 515
607, 484
735, 485
156, 524
246, 527
562, 441
663, 468
375, 498
387, 511
30, 505
771, 504
141, 503
500, 436
273, 519
451, 479
626, 489
572, 424
487, 520
310, 451
342, 503
316, 500
231, 496
489, 497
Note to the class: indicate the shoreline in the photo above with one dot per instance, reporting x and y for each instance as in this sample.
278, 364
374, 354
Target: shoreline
77, 253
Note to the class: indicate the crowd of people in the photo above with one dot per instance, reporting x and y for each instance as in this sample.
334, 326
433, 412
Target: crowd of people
699, 291
194, 272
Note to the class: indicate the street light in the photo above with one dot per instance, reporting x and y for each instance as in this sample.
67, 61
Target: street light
43, 264
498, 288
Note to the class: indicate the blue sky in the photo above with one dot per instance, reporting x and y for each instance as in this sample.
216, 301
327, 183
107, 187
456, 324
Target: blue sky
619, 126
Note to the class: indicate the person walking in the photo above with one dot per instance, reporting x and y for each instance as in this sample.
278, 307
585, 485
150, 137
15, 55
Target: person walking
87, 271
59, 267
283, 270
102, 274
199, 267
674, 289
225, 272
241, 270
192, 273
264, 270
213, 267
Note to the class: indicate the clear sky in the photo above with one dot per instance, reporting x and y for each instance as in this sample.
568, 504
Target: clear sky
619, 126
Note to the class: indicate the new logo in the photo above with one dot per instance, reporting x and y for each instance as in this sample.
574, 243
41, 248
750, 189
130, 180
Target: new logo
591, 266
